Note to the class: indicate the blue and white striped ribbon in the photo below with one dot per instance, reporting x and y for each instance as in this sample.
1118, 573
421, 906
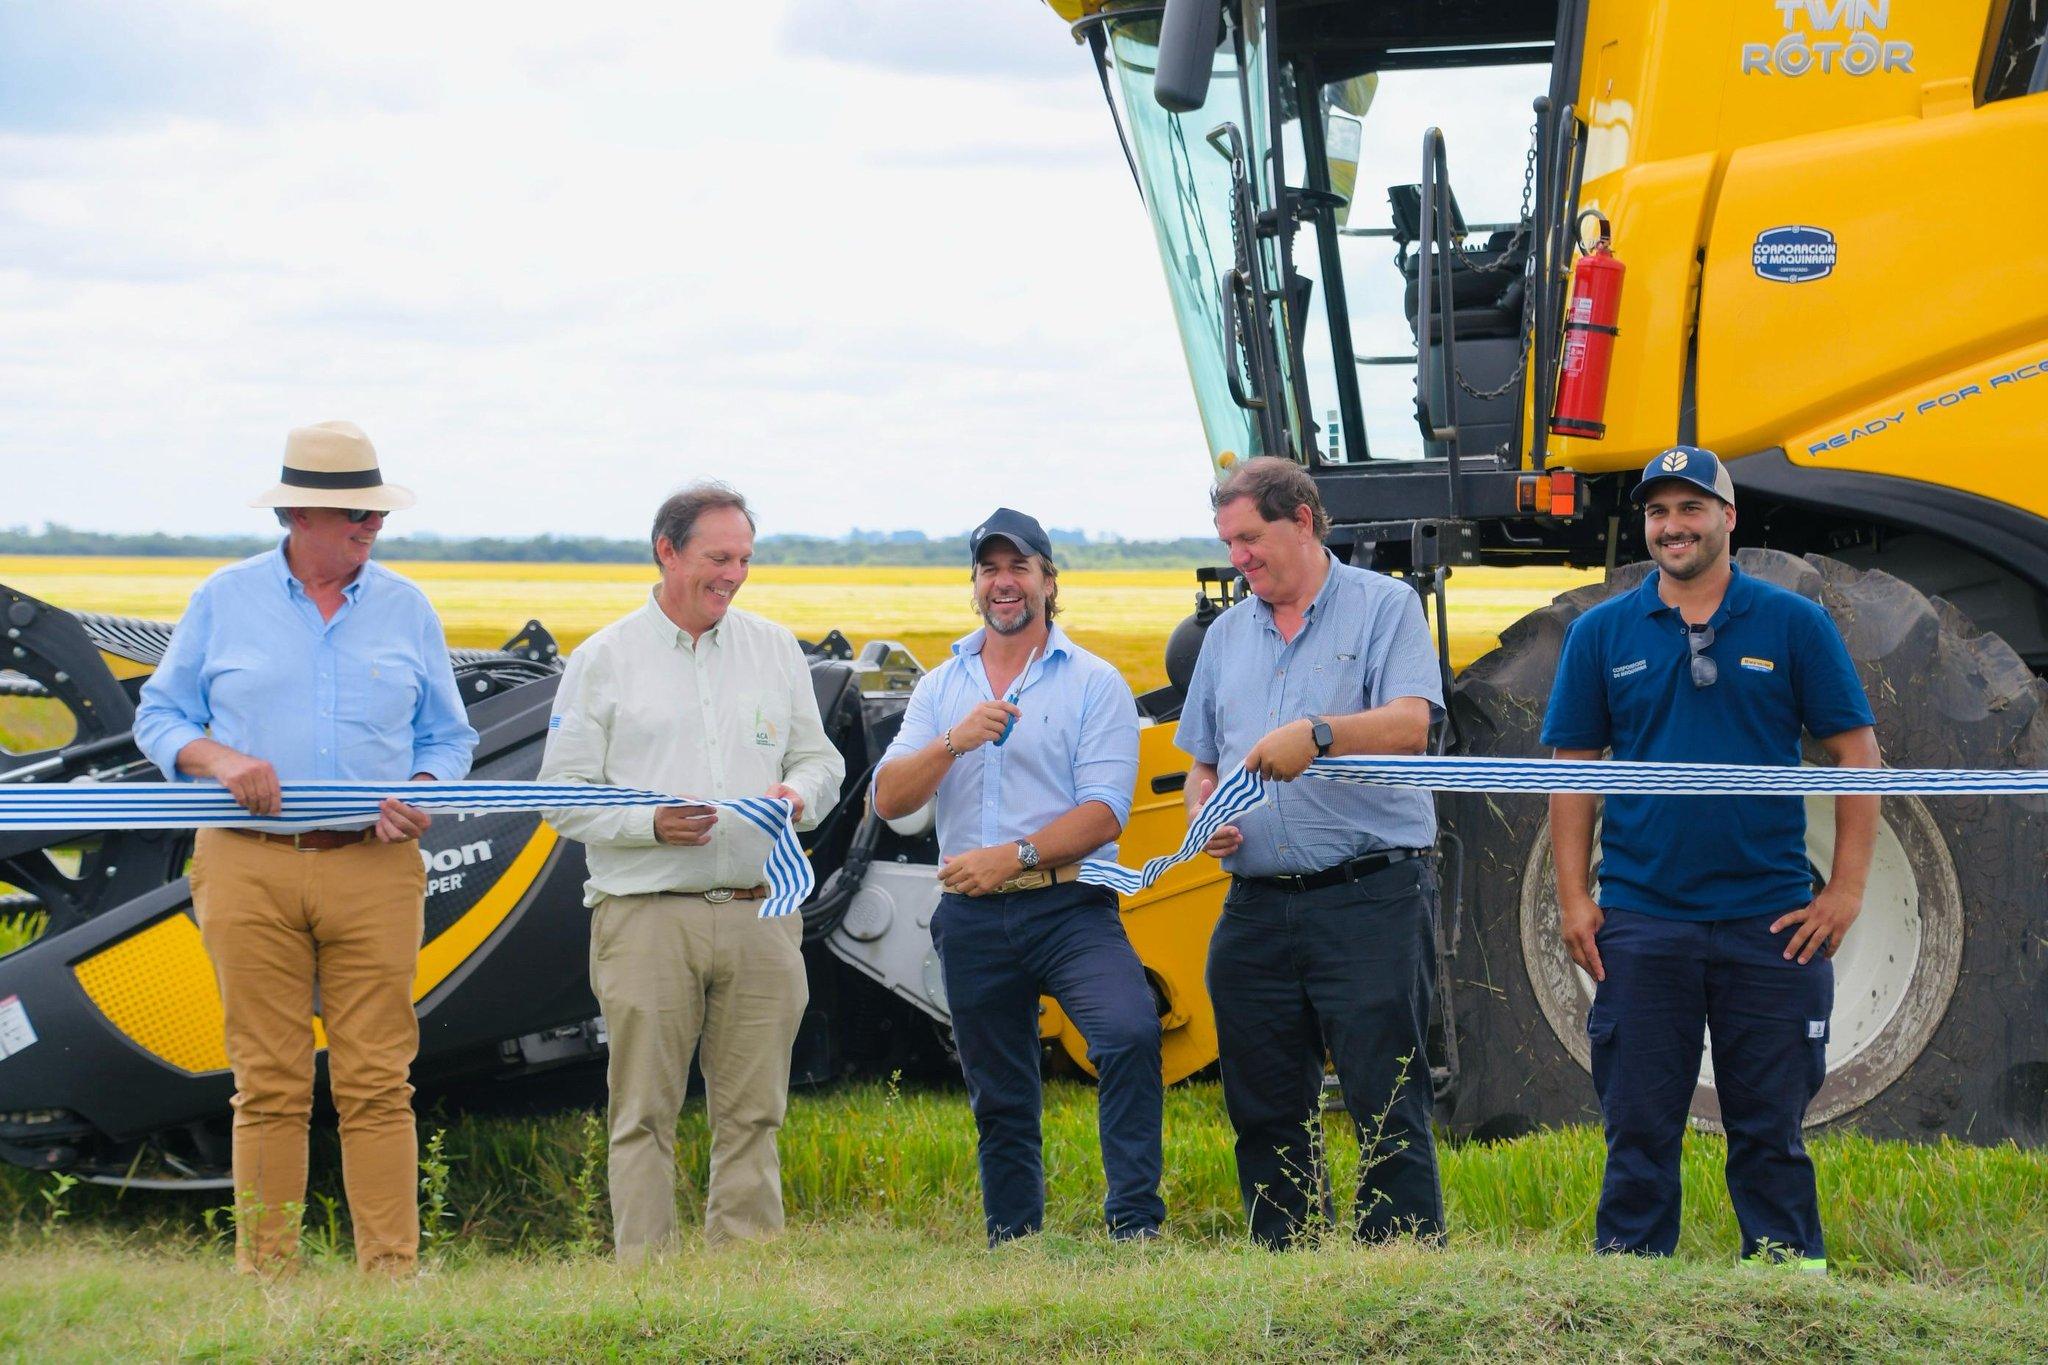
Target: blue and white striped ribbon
1244, 791
1613, 778
323, 805
314, 805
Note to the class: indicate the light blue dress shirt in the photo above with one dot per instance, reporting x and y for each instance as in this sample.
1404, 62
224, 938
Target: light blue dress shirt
1362, 643
1076, 741
368, 696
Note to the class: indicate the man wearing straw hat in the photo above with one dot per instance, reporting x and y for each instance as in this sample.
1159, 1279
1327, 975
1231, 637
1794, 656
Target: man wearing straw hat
311, 662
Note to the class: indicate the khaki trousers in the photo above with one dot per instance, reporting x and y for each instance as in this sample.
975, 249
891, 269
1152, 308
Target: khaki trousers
677, 975
281, 925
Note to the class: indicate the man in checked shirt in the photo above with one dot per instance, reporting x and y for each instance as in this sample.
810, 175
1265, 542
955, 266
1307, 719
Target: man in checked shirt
1327, 944
691, 695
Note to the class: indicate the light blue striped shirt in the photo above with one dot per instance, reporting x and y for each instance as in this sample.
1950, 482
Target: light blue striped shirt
1076, 741
1362, 644
367, 696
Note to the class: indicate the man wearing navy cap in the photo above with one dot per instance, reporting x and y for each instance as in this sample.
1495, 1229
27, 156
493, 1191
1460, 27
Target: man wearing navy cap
1707, 917
1029, 746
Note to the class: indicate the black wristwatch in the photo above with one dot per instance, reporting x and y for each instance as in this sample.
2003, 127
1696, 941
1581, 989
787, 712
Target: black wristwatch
1027, 854
1319, 729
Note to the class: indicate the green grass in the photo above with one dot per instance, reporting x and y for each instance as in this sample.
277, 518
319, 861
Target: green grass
1937, 1250
1942, 1215
872, 1290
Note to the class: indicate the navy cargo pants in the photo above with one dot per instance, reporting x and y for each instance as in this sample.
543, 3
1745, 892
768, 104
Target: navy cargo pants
1667, 982
998, 954
1347, 972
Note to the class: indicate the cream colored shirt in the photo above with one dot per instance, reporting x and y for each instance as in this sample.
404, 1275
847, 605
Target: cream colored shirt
728, 714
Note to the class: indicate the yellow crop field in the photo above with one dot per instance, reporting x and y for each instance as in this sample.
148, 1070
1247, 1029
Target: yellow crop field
1124, 615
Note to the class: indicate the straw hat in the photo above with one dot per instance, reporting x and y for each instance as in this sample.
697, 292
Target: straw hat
333, 465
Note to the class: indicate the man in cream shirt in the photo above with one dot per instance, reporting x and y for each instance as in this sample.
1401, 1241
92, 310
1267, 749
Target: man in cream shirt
691, 696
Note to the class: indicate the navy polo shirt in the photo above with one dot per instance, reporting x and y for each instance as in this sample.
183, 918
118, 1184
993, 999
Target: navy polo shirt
1625, 683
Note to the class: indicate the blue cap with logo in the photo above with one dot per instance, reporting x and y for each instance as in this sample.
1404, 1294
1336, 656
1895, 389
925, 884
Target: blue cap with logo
1701, 468
1006, 523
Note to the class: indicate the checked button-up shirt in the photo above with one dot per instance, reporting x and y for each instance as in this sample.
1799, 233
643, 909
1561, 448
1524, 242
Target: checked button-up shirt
1363, 644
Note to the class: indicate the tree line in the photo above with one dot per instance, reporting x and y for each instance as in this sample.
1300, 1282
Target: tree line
1074, 549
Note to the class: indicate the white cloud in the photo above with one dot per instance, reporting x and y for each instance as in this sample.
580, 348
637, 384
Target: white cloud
878, 265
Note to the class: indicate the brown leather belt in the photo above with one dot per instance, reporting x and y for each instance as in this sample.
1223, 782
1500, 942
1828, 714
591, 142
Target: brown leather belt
719, 895
312, 840
1039, 878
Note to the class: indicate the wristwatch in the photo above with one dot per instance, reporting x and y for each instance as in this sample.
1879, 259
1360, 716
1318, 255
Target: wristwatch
1027, 854
1324, 736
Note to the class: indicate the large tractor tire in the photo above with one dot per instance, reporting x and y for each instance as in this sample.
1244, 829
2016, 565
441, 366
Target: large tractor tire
1941, 998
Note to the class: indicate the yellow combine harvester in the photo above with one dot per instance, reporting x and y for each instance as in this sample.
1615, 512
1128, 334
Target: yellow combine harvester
1827, 212
1825, 209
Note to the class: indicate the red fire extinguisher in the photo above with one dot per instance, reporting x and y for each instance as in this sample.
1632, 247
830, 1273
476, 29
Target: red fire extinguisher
1589, 333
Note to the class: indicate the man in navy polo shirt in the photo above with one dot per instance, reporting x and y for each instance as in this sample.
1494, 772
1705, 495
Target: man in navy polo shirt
1707, 917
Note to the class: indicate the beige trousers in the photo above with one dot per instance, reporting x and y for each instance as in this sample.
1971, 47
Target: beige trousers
677, 975
279, 923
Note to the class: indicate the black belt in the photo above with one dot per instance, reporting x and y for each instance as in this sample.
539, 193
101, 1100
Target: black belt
1348, 871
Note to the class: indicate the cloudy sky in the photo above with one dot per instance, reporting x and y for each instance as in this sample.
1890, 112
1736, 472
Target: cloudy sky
878, 262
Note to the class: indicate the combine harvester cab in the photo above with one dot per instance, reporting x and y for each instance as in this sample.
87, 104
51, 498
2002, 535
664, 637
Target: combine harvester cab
1793, 299
112, 1058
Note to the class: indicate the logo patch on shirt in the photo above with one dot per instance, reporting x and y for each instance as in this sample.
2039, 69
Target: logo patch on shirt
1638, 666
1759, 665
1816, 1028
554, 722
764, 729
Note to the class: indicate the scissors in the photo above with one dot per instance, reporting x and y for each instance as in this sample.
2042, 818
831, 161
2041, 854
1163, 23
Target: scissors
1016, 691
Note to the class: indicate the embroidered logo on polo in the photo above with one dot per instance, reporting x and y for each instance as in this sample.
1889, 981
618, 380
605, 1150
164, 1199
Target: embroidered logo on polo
1674, 461
1755, 665
1638, 666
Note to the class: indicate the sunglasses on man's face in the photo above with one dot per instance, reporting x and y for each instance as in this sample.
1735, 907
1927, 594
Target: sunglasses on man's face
357, 515
1705, 672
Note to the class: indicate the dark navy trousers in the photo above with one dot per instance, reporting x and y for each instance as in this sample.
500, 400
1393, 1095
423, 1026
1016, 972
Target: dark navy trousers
1667, 982
1347, 972
999, 954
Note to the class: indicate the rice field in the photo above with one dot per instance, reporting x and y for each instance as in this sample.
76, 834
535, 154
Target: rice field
1123, 615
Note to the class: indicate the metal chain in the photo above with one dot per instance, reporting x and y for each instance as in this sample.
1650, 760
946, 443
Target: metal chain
1521, 230
1500, 259
1514, 377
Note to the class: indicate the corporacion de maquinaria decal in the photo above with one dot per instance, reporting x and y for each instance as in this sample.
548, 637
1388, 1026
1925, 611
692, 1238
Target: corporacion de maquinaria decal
1793, 254
1933, 406
1837, 37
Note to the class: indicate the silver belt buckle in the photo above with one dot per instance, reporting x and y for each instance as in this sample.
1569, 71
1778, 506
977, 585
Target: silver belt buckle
718, 895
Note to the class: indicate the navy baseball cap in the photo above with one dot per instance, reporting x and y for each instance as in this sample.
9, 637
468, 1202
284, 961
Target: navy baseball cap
1008, 524
1701, 468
